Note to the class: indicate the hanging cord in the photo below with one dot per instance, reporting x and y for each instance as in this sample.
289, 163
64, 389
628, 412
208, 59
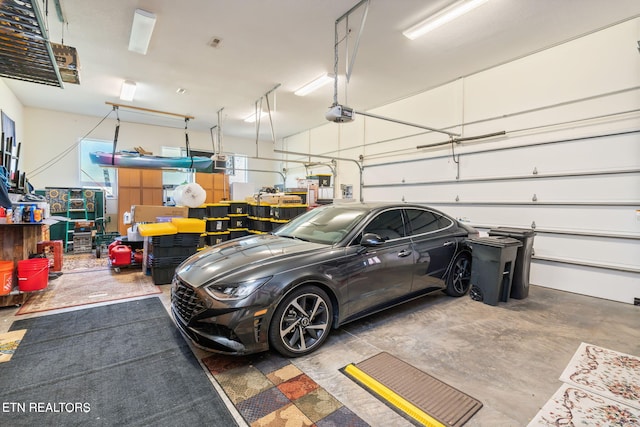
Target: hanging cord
186, 141
68, 150
115, 137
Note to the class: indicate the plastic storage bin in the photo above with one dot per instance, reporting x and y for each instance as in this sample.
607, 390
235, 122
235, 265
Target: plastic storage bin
198, 213
521, 273
238, 221
238, 208
157, 229
217, 225
216, 238
189, 225
492, 268
217, 210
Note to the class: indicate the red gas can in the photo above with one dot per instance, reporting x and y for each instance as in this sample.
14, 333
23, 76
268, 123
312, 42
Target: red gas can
137, 256
113, 245
120, 255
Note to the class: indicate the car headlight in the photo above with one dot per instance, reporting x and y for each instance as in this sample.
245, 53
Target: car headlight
235, 291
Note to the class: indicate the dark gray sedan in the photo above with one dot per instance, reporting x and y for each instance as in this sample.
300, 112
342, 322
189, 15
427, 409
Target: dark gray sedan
329, 266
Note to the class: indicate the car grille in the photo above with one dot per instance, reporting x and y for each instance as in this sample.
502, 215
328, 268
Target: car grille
186, 301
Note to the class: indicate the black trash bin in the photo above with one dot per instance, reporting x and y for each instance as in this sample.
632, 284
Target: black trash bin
520, 282
492, 268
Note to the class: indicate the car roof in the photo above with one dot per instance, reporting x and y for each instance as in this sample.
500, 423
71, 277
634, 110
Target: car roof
376, 206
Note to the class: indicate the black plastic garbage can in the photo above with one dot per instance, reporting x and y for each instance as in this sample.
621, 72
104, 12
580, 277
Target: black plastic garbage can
520, 282
492, 268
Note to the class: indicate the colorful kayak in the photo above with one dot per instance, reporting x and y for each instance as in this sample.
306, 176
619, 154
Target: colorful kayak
136, 160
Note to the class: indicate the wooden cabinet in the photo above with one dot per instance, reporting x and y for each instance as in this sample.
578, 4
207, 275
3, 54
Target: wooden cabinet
137, 187
215, 184
144, 187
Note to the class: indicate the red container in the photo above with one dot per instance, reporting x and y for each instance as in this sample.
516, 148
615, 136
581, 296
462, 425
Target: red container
33, 274
6, 277
113, 245
120, 255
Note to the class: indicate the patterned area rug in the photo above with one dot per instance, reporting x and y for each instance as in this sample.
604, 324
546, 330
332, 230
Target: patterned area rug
269, 391
85, 283
573, 406
605, 372
75, 263
602, 387
9, 341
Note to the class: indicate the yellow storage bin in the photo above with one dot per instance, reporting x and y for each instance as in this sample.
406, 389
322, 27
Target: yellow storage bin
189, 225
157, 229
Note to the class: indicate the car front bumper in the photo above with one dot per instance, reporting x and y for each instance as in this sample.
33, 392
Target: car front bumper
223, 330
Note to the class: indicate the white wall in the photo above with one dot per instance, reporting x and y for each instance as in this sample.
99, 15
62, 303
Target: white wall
49, 133
569, 163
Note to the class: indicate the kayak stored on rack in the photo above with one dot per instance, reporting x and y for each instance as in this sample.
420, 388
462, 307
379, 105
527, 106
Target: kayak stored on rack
136, 160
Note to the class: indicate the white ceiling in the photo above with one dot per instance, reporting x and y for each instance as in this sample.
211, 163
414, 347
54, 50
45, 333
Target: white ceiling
290, 42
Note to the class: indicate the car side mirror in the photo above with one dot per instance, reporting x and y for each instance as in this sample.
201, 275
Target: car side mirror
371, 239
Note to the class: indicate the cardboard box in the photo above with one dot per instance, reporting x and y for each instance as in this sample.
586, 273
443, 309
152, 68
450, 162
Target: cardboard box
148, 213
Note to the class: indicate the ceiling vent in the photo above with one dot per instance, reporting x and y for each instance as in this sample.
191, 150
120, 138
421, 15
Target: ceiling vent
215, 42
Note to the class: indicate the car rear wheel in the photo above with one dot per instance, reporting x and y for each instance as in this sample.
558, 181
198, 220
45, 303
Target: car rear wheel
460, 276
301, 322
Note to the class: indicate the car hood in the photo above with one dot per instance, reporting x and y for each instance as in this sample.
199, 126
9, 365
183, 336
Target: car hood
249, 256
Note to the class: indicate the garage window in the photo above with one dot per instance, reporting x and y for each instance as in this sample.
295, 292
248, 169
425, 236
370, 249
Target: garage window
93, 175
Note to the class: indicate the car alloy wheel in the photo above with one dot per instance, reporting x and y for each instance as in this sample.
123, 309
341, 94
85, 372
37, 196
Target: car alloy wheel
302, 321
476, 293
459, 278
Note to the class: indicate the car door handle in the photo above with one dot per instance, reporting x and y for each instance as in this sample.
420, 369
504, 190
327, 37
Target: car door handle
403, 253
449, 243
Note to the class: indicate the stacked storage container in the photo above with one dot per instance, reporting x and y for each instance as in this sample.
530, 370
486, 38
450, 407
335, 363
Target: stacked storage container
171, 245
260, 217
217, 227
200, 212
238, 219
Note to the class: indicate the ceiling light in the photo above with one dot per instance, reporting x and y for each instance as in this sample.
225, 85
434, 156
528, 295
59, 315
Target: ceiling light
141, 30
315, 84
128, 90
252, 118
442, 17
181, 91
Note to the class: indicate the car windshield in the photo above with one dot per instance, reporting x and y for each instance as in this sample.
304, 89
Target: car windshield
326, 224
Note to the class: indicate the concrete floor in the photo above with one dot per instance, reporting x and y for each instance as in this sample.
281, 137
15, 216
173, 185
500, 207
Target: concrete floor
508, 356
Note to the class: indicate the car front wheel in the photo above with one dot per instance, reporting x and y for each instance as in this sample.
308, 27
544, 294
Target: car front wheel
301, 322
460, 275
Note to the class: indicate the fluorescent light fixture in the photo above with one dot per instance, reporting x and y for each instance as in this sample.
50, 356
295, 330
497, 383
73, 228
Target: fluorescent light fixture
128, 90
252, 117
141, 30
315, 84
445, 15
